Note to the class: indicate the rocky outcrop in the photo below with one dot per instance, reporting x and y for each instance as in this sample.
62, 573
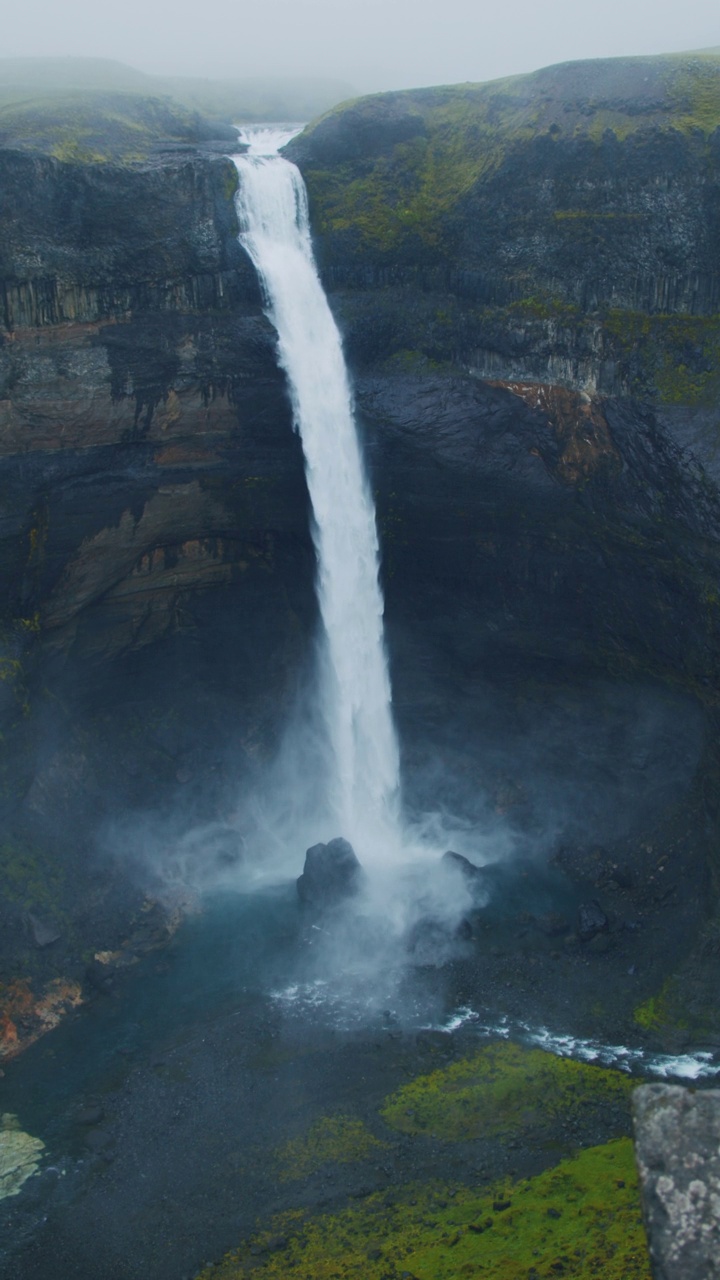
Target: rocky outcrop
331, 874
677, 1136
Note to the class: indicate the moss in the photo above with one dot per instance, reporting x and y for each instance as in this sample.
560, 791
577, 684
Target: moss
539, 307
335, 1139
574, 215
402, 195
405, 196
675, 357
580, 1219
95, 128
695, 93
652, 1013
410, 361
504, 1087
10, 670
687, 1003
231, 182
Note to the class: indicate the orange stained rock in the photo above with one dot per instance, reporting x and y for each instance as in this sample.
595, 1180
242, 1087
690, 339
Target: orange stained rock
579, 425
36, 1014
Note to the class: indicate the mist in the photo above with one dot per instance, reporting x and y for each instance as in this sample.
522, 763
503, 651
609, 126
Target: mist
374, 46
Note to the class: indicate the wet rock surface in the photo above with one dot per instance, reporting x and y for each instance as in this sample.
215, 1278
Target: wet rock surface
332, 873
591, 920
677, 1136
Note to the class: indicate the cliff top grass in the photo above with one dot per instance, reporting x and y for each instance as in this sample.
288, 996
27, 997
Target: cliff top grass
580, 1219
393, 164
96, 128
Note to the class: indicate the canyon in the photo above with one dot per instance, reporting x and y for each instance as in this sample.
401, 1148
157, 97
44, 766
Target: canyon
525, 276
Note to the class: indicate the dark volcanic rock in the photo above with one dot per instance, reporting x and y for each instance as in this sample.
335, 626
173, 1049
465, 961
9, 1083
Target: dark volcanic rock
552, 924
473, 876
677, 1135
591, 920
331, 874
43, 933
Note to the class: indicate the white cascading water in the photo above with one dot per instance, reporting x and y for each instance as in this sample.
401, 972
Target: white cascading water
363, 789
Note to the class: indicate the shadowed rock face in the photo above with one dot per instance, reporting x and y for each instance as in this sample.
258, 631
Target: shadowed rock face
143, 421
332, 873
677, 1136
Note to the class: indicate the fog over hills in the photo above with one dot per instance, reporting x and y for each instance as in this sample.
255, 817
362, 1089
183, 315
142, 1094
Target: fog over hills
246, 98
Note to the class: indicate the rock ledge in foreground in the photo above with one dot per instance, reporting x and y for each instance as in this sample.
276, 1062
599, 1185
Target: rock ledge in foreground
677, 1135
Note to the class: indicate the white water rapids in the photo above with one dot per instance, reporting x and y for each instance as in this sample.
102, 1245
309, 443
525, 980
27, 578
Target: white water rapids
354, 685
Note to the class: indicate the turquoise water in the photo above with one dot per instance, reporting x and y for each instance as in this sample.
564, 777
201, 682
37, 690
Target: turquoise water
219, 962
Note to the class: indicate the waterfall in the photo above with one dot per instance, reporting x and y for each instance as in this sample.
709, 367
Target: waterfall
354, 685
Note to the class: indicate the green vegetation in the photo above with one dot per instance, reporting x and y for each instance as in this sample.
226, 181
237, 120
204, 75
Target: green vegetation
695, 90
502, 1088
676, 357
539, 307
573, 215
435, 145
581, 1219
409, 189
95, 128
92, 110
652, 1013
337, 1139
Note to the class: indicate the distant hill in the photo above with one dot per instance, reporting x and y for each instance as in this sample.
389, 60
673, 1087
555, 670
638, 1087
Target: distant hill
93, 127
23, 80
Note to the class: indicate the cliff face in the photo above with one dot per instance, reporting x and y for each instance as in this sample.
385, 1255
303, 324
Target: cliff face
154, 542
560, 227
526, 276
137, 370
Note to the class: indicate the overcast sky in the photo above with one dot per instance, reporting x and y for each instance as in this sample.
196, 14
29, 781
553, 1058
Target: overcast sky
375, 44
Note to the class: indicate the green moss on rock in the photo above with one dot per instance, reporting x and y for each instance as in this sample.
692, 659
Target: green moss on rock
391, 169
580, 1219
97, 128
504, 1087
653, 1013
673, 357
335, 1139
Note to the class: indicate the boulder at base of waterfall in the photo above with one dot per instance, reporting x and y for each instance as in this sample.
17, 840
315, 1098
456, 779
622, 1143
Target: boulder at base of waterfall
474, 877
591, 920
331, 874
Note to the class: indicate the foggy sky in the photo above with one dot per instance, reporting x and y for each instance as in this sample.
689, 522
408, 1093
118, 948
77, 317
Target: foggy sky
374, 44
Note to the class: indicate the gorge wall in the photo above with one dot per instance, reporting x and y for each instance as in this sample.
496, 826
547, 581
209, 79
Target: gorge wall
526, 277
